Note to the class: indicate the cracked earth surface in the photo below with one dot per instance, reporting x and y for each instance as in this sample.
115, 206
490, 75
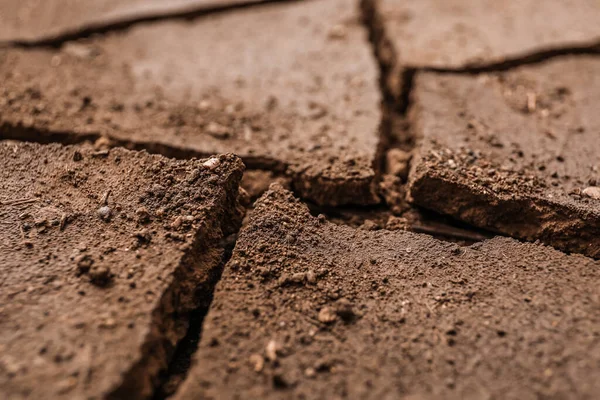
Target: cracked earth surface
420, 183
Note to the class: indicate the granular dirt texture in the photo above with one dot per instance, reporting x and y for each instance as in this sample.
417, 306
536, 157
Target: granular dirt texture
34, 21
309, 309
102, 255
457, 34
311, 111
514, 152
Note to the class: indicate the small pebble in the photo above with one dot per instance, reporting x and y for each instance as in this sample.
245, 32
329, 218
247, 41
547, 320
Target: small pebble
104, 213
142, 214
298, 277
311, 277
110, 323
337, 32
271, 350
211, 163
327, 315
217, 130
257, 361
100, 275
592, 192
176, 222
102, 143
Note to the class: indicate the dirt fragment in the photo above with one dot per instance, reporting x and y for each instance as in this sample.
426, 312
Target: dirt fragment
142, 214
416, 317
327, 315
84, 263
592, 192
100, 275
80, 306
397, 162
486, 162
258, 362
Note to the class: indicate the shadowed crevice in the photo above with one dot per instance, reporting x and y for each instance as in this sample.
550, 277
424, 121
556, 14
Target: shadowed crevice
396, 83
36, 135
181, 361
536, 57
115, 25
396, 78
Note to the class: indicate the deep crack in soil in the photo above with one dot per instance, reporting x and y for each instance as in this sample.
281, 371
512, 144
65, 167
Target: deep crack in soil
397, 77
121, 285
404, 142
374, 218
210, 100
396, 87
526, 59
179, 366
102, 27
9, 131
398, 138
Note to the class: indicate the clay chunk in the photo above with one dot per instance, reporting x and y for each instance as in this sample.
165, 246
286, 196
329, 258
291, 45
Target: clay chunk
195, 88
514, 152
309, 309
34, 21
457, 34
101, 255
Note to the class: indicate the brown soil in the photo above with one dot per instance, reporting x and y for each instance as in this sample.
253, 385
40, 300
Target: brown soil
33, 21
309, 309
311, 111
515, 152
412, 219
410, 130
464, 34
103, 254
256, 182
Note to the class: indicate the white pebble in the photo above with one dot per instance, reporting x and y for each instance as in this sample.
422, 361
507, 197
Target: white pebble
592, 191
211, 163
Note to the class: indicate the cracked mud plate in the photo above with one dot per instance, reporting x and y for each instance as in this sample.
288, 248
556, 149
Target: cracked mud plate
309, 309
102, 254
198, 88
516, 152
